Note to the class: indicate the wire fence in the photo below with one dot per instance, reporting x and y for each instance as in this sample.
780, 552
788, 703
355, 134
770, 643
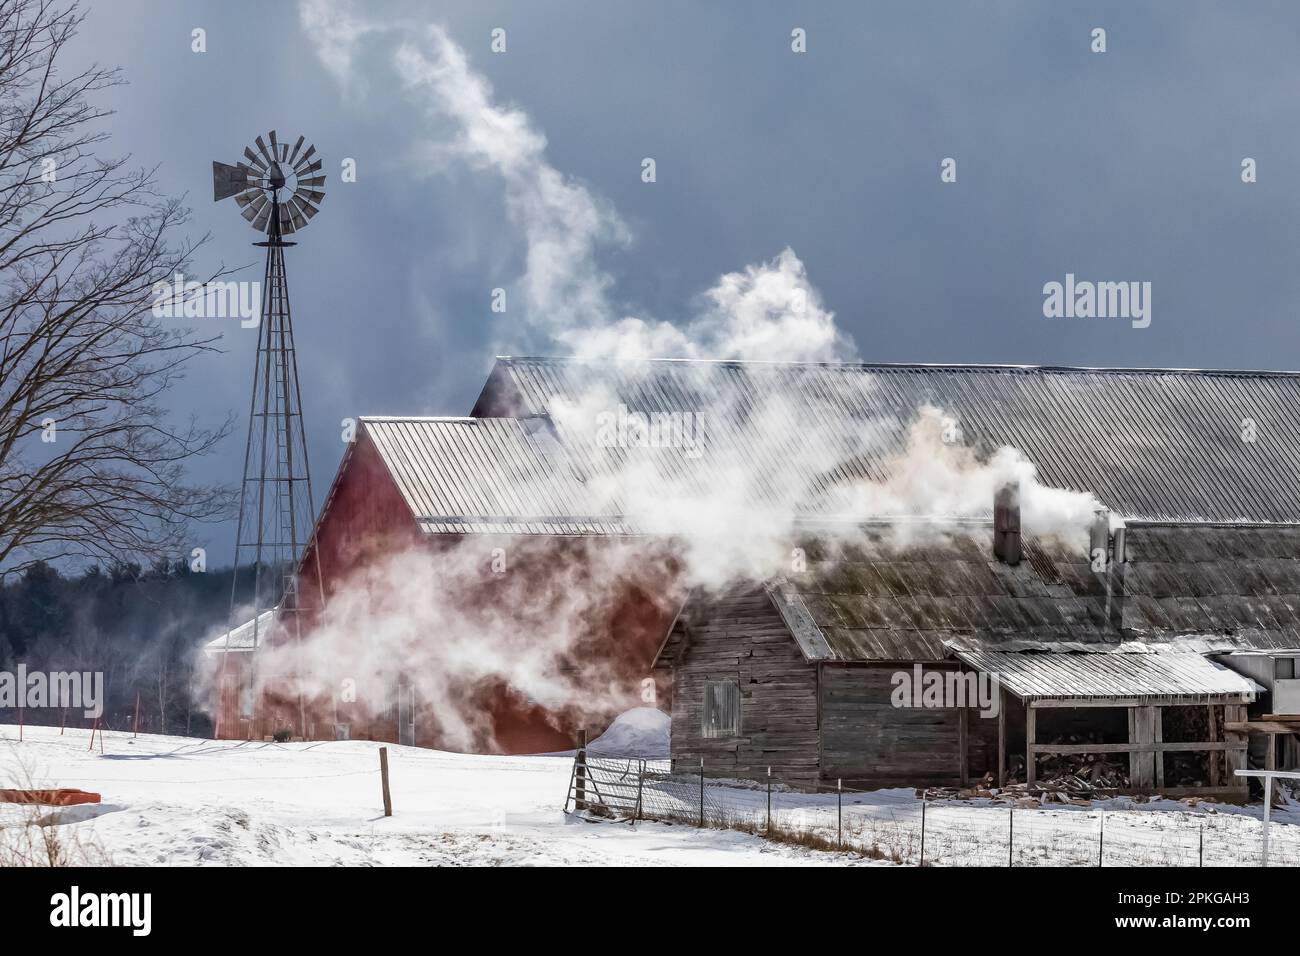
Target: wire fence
894, 825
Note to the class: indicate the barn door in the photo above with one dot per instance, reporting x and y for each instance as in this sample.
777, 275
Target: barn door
405, 713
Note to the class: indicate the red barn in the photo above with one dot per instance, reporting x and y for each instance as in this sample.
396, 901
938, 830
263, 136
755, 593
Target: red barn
520, 485
488, 488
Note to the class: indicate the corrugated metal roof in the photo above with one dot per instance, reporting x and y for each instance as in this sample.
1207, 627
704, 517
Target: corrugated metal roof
1190, 589
487, 476
1149, 443
1125, 676
242, 637
870, 601
1209, 582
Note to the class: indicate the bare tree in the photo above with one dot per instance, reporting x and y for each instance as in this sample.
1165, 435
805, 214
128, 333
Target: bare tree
89, 464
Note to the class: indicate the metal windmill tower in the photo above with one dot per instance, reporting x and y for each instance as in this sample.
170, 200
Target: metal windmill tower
278, 190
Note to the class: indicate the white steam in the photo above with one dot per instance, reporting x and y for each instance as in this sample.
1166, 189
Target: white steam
769, 471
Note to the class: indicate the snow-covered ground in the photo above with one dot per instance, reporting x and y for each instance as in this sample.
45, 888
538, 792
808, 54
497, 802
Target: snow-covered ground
180, 801
640, 732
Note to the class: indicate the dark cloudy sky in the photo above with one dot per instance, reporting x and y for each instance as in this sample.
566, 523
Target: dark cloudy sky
1123, 165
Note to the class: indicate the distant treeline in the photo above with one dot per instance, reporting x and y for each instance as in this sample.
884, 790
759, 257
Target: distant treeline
140, 627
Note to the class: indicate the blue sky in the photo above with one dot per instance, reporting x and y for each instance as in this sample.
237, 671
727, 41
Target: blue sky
1115, 166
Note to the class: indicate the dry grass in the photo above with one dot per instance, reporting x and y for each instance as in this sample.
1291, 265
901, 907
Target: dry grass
37, 835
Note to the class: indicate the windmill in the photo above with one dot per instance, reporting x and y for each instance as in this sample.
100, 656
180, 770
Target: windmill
278, 190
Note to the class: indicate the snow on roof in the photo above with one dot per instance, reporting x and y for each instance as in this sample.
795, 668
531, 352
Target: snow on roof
1032, 676
244, 637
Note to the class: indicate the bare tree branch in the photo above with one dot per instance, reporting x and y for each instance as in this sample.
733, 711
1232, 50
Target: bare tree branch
89, 465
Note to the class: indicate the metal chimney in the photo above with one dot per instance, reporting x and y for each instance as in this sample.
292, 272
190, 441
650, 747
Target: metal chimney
1099, 540
1006, 523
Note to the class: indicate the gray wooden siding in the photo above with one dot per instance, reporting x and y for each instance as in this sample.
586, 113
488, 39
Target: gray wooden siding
869, 742
741, 637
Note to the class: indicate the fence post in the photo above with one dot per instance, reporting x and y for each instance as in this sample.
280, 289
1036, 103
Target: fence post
839, 811
701, 791
383, 776
20, 725
1101, 840
640, 780
769, 799
1011, 836
1201, 849
921, 862
580, 773
135, 730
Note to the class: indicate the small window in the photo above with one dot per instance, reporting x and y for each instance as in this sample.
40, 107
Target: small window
721, 708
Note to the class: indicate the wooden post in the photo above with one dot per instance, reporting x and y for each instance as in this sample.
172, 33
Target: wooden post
1101, 839
1011, 837
580, 773
383, 776
1142, 731
963, 742
1031, 738
701, 791
921, 861
1213, 758
769, 799
839, 811
1270, 761
1002, 739
93, 727
1157, 736
1235, 758
20, 725
135, 731
63, 719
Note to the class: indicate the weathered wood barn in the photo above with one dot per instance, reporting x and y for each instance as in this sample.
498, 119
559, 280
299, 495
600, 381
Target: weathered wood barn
1171, 656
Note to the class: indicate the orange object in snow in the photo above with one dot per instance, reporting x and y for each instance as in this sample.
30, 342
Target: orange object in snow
59, 798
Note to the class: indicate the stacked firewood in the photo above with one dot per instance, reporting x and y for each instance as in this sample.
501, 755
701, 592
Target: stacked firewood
1082, 773
1060, 777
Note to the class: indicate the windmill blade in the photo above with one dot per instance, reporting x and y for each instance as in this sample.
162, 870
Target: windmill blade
254, 208
309, 210
278, 150
302, 160
313, 182
307, 170
299, 220
252, 157
263, 218
261, 148
245, 198
308, 196
227, 180
296, 146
